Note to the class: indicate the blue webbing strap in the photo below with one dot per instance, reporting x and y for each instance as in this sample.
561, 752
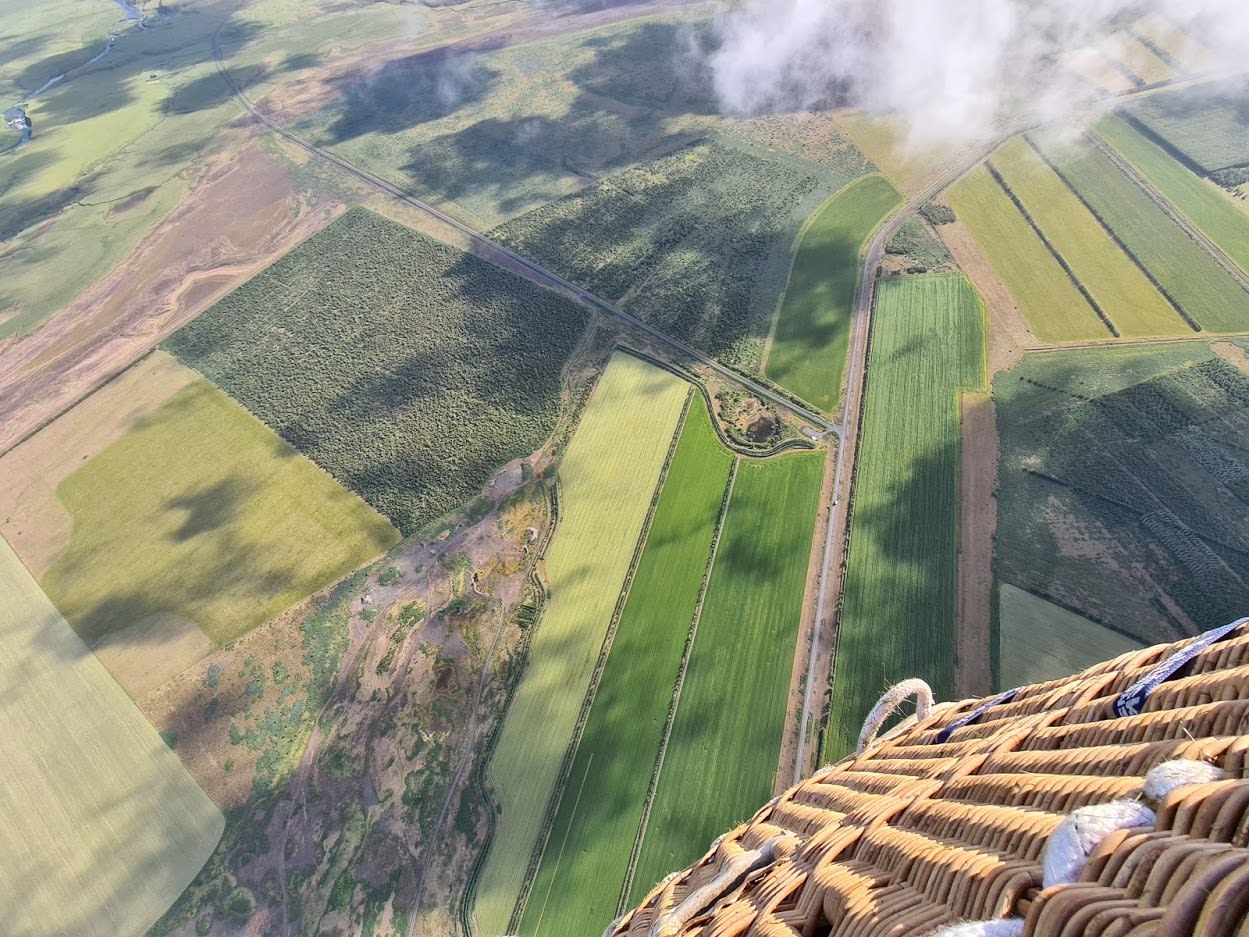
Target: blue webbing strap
968, 718
1132, 700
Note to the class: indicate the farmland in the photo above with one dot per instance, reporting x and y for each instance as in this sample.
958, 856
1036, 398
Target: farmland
722, 757
1182, 269
103, 827
1205, 126
408, 370
898, 614
1211, 210
1045, 295
1136, 459
1042, 641
884, 141
692, 243
808, 352
201, 518
607, 483
588, 850
1124, 294
1136, 57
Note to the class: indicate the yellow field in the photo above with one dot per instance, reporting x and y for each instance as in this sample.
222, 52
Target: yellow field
1136, 57
198, 518
607, 481
1049, 301
1041, 641
883, 140
1133, 304
1096, 69
103, 828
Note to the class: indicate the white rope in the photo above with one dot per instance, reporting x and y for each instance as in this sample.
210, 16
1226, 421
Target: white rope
889, 702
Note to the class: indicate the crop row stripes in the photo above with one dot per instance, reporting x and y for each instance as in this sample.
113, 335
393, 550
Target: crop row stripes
1054, 251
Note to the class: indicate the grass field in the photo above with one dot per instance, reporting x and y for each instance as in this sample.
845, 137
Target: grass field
1206, 124
722, 756
587, 855
1201, 287
897, 619
200, 515
607, 481
1118, 286
1041, 641
1124, 486
103, 827
1207, 206
808, 353
1045, 295
407, 369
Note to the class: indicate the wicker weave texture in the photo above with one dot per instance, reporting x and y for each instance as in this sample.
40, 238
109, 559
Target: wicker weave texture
917, 833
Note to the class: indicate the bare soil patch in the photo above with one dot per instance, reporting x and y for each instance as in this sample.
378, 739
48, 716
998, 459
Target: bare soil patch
241, 212
152, 651
32, 519
1009, 333
1232, 353
977, 524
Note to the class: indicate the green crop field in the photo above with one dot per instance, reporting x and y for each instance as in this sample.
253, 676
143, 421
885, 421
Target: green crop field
1041, 641
686, 242
1124, 486
1045, 294
897, 619
808, 353
1206, 124
722, 756
587, 855
1201, 287
1204, 204
407, 369
607, 483
201, 514
103, 827
1118, 286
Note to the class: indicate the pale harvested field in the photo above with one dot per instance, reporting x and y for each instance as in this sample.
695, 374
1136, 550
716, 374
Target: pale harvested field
883, 140
1096, 69
32, 518
103, 827
1231, 353
973, 675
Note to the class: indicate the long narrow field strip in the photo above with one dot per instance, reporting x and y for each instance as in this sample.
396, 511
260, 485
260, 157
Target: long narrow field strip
725, 744
103, 827
1137, 58
1173, 44
897, 618
202, 517
808, 354
1206, 125
1118, 286
1183, 270
1099, 71
1042, 641
607, 483
1045, 294
578, 883
1202, 202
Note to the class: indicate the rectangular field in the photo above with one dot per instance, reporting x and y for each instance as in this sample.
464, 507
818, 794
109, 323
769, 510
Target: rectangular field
103, 827
1207, 124
1183, 269
607, 483
1042, 641
407, 369
1116, 284
898, 611
1045, 295
1223, 220
1136, 57
591, 841
722, 756
1137, 459
200, 517
808, 352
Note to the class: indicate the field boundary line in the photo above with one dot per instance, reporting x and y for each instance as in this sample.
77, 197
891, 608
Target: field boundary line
1169, 208
670, 720
574, 742
1051, 247
1114, 235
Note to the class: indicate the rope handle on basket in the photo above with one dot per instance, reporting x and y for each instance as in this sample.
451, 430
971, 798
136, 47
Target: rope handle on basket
1132, 700
890, 701
968, 718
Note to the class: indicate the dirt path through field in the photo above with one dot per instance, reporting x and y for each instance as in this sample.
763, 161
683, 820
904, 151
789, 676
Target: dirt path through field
977, 523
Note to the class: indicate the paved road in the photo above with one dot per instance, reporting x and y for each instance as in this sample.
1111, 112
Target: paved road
489, 250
